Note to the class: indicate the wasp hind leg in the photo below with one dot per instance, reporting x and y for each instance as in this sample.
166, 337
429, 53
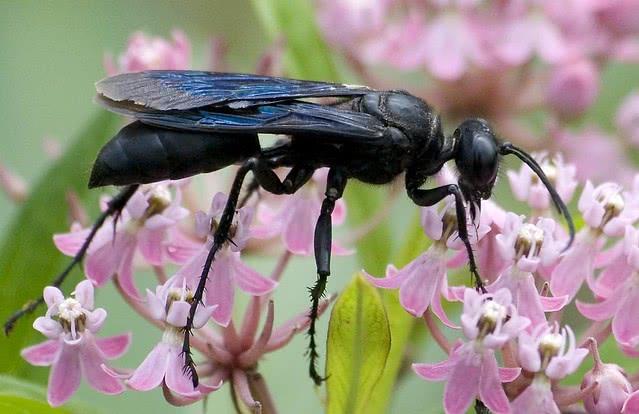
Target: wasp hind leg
323, 242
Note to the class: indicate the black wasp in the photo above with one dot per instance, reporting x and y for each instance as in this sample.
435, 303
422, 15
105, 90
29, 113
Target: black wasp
190, 122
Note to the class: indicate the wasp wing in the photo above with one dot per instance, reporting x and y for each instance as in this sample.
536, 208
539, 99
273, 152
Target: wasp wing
290, 117
180, 90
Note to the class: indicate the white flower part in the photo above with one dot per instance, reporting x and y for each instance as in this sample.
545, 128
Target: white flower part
70, 310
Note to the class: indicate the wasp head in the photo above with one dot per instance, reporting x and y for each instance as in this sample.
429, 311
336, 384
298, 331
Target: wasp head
477, 160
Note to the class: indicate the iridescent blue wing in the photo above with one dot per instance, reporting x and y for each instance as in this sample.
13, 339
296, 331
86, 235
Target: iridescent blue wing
166, 89
289, 117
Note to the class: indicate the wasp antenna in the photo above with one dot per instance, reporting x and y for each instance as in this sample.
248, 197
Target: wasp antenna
508, 148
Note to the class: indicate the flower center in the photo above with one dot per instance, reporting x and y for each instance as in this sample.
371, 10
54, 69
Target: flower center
71, 315
492, 315
529, 240
549, 347
159, 200
613, 205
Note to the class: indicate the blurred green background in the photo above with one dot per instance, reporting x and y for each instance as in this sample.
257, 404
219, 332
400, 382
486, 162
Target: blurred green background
50, 56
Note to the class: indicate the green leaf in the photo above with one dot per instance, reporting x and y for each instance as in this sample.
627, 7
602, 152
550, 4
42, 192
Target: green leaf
17, 396
401, 322
357, 347
306, 56
28, 258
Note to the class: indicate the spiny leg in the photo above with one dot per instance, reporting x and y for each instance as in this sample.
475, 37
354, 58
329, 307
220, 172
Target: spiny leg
264, 177
114, 208
429, 197
335, 185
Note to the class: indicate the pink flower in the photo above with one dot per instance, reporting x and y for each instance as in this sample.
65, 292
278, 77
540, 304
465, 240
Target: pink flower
235, 354
227, 270
528, 188
618, 286
422, 281
628, 118
73, 350
146, 53
525, 247
612, 386
148, 224
523, 34
606, 211
295, 217
490, 263
573, 87
594, 141
488, 321
164, 364
619, 16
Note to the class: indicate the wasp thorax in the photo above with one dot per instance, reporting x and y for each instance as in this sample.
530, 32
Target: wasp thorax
529, 240
71, 315
492, 315
159, 199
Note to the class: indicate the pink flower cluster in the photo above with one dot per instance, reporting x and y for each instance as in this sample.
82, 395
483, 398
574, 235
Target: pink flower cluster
530, 278
502, 60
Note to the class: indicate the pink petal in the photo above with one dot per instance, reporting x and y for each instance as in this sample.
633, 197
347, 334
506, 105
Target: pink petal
52, 295
631, 405
416, 293
507, 374
181, 248
70, 243
137, 205
151, 371
393, 280
178, 313
554, 304
155, 306
435, 372
103, 263
537, 398
42, 354
84, 294
176, 379
125, 274
251, 281
446, 47
625, 325
490, 389
438, 310
599, 311
560, 367
528, 301
114, 346
299, 231
461, 389
49, 327
221, 291
150, 243
64, 378
572, 270
91, 361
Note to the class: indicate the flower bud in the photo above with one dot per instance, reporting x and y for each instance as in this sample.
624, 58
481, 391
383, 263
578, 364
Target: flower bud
573, 87
613, 386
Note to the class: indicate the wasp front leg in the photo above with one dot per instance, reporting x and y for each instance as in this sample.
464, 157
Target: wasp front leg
429, 197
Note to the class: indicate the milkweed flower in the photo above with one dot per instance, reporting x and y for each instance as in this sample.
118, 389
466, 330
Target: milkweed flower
236, 351
526, 246
489, 321
527, 187
607, 210
165, 363
422, 281
294, 216
72, 350
618, 287
551, 355
148, 224
227, 271
144, 52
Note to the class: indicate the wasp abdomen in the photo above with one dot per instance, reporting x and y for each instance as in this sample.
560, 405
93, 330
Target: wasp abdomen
141, 154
